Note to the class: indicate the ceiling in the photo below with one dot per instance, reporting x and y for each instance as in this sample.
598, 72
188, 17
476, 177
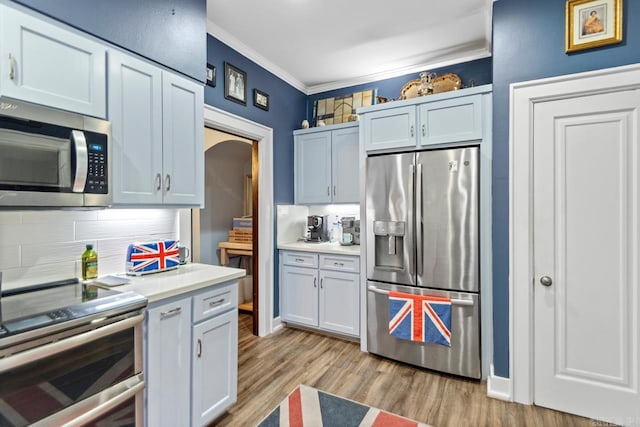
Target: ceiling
322, 45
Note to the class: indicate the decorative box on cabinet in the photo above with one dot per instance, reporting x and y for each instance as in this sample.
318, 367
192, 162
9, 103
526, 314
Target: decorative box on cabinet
158, 133
327, 164
48, 63
451, 117
191, 353
321, 291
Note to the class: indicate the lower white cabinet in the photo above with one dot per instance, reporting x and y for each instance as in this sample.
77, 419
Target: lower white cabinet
191, 357
323, 294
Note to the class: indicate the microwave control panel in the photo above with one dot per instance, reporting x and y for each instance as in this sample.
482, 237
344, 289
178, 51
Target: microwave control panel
97, 182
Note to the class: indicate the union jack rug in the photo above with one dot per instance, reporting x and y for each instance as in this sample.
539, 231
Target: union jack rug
308, 407
152, 257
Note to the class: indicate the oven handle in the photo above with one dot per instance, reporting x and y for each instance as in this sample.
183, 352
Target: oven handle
454, 301
28, 356
82, 160
95, 406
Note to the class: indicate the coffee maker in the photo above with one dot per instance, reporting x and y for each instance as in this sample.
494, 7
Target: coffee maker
350, 231
318, 228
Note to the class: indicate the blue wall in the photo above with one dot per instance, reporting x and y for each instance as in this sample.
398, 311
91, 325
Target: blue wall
478, 71
169, 32
528, 44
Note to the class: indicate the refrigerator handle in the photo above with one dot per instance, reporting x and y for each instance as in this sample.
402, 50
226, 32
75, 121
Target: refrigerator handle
419, 219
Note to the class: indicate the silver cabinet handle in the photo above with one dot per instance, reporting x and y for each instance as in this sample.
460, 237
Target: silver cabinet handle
12, 67
412, 131
172, 312
424, 130
314, 282
299, 260
158, 182
321, 280
168, 181
216, 302
328, 191
339, 264
199, 348
334, 190
546, 281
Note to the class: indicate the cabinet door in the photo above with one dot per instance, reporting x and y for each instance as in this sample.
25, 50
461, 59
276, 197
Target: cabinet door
393, 128
453, 120
135, 112
183, 138
168, 356
215, 367
312, 167
339, 302
300, 295
345, 165
46, 64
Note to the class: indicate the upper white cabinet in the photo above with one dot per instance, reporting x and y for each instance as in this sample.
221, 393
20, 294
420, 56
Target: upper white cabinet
158, 133
326, 167
47, 64
450, 117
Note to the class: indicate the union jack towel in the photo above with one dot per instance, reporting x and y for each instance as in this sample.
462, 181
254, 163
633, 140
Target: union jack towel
420, 318
151, 257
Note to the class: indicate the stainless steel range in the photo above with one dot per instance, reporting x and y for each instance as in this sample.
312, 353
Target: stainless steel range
70, 353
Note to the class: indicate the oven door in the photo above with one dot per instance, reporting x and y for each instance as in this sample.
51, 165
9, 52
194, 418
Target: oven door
77, 380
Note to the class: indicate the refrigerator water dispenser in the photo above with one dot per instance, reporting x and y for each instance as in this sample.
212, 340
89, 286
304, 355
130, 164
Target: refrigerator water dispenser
389, 244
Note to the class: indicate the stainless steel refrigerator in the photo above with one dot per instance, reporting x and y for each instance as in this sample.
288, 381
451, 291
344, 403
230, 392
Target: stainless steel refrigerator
422, 238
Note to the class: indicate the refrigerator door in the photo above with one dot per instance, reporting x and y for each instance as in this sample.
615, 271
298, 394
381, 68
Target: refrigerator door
462, 358
390, 218
447, 219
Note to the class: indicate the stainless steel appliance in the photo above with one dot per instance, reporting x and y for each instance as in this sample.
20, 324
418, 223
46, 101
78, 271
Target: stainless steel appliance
349, 231
71, 354
52, 158
422, 238
318, 226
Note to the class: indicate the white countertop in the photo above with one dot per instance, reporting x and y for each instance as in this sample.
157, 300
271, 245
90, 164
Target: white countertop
186, 278
327, 248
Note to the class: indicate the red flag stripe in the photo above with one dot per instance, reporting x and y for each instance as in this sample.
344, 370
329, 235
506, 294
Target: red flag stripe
295, 409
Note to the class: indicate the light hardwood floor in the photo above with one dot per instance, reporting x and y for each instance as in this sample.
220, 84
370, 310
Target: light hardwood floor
271, 367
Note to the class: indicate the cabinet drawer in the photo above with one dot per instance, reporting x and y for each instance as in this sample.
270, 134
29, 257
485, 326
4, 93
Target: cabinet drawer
349, 264
300, 259
218, 300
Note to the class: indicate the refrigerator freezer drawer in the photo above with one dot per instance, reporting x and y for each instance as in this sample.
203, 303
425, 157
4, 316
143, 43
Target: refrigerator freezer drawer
462, 358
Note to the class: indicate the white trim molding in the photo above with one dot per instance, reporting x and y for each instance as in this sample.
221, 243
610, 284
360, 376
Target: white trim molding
498, 387
522, 99
222, 120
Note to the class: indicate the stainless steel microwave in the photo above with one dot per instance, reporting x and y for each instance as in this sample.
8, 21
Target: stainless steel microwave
53, 158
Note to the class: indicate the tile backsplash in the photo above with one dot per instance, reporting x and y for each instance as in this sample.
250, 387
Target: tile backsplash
41, 246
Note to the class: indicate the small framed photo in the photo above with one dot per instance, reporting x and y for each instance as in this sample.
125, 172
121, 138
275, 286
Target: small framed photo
261, 99
211, 75
592, 23
235, 84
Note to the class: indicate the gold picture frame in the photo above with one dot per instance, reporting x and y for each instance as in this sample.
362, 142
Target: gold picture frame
592, 23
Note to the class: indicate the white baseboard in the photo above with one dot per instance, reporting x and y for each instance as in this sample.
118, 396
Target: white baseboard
499, 387
276, 324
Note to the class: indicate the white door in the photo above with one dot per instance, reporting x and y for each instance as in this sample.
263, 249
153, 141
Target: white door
586, 252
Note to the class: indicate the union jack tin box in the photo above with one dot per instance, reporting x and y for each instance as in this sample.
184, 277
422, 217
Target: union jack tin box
152, 257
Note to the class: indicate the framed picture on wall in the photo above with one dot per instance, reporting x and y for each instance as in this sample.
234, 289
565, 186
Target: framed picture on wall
235, 84
261, 99
211, 75
592, 23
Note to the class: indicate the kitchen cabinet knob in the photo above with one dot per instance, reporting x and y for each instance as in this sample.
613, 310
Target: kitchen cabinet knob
12, 67
158, 182
168, 182
546, 281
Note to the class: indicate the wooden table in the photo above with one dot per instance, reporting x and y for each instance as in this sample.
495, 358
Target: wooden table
231, 248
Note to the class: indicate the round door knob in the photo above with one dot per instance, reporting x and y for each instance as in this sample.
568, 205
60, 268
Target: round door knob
546, 281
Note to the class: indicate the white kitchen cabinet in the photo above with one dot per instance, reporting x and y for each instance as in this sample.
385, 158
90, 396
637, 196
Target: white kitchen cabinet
326, 167
322, 294
50, 64
158, 133
191, 354
168, 356
452, 117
